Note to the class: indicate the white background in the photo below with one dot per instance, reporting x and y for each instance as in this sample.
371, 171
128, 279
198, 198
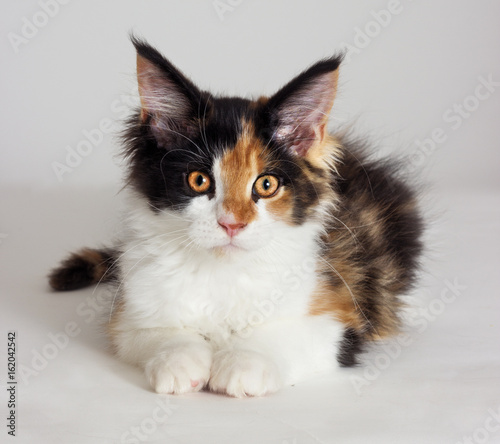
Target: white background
401, 88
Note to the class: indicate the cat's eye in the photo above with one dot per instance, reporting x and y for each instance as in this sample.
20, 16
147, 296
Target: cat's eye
199, 181
266, 186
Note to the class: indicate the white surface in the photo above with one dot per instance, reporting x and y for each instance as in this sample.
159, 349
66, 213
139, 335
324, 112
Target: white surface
70, 75
437, 390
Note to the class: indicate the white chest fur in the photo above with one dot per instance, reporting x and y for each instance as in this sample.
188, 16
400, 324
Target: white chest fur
169, 283
239, 320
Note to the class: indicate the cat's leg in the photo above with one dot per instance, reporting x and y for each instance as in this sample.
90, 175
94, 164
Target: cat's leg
282, 352
174, 361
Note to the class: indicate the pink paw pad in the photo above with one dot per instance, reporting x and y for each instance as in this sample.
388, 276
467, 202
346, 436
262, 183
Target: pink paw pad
194, 383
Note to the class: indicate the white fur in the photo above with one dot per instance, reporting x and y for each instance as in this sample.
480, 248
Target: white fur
200, 308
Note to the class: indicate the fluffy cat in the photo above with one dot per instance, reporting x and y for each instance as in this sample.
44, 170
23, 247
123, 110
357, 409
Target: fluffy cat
259, 248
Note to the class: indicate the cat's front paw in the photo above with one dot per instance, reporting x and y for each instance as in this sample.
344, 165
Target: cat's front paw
242, 373
180, 369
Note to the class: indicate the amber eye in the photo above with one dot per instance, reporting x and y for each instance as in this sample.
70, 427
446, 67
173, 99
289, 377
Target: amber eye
266, 186
198, 181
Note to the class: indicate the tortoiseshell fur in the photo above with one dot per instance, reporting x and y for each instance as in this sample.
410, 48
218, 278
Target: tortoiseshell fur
368, 244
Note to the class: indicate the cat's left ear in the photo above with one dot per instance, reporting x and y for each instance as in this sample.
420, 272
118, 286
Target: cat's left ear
298, 112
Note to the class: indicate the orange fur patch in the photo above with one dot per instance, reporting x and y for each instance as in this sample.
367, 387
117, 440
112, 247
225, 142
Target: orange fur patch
337, 302
239, 168
95, 258
342, 300
281, 205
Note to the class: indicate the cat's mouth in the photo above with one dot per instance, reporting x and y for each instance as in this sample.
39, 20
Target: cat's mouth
229, 248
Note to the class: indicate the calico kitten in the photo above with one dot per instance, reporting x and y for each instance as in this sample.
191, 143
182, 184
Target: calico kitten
260, 249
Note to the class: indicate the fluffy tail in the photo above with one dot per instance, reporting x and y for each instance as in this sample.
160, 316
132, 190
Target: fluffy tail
84, 268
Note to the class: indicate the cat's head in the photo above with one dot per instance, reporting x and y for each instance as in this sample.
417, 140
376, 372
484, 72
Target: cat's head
236, 172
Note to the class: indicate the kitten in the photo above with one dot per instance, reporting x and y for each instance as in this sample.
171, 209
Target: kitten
260, 249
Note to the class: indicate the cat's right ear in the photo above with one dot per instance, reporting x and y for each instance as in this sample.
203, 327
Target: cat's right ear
168, 98
298, 113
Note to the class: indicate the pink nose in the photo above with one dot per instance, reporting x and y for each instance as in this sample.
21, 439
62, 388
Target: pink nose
231, 229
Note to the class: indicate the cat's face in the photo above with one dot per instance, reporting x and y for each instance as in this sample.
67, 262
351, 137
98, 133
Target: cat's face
247, 194
234, 172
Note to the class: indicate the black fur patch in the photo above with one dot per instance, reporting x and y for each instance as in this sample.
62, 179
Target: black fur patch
350, 347
158, 173
82, 269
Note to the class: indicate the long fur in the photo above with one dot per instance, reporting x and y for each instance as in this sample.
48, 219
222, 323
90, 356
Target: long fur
236, 291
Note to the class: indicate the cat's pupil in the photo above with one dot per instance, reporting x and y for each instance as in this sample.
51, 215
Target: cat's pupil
200, 180
266, 185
